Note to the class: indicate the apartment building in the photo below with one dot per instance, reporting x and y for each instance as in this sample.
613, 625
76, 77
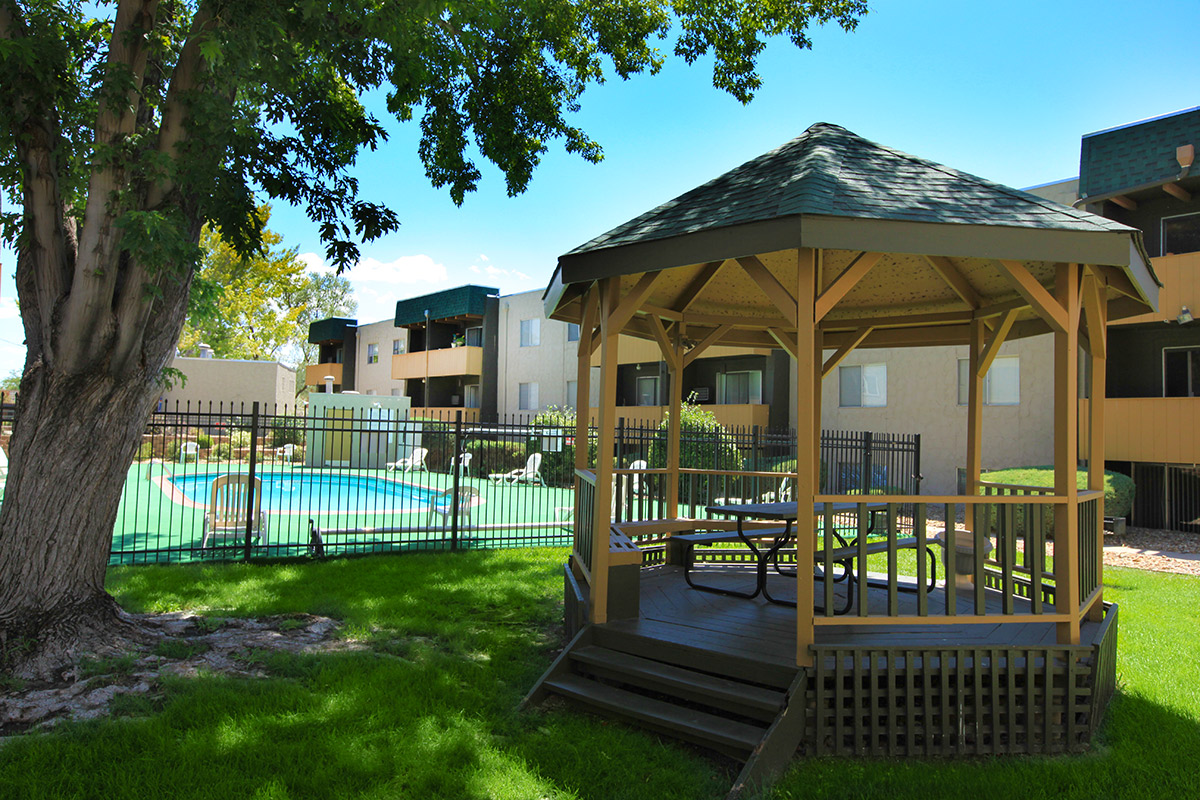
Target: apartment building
230, 382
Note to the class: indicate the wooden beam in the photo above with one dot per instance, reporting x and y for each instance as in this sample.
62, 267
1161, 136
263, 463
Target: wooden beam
974, 415
785, 340
631, 302
1093, 311
844, 283
698, 284
845, 350
771, 287
674, 423
956, 280
705, 343
1066, 454
583, 380
1098, 369
902, 321
1117, 279
1035, 294
665, 345
807, 478
1177, 191
993, 346
1127, 203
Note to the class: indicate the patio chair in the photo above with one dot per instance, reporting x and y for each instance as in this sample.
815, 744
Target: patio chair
415, 461
638, 484
226, 515
442, 504
464, 466
286, 452
531, 473
782, 495
189, 451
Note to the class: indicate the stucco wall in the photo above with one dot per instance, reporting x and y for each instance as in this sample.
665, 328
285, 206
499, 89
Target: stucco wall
377, 378
232, 382
922, 397
550, 364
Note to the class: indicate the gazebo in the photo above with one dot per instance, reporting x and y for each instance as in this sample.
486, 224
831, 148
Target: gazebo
824, 245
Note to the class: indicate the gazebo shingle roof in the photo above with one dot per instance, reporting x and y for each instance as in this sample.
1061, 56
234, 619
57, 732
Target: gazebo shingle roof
831, 171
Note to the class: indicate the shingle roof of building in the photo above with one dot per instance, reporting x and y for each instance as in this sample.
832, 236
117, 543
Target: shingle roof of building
1134, 155
829, 170
468, 300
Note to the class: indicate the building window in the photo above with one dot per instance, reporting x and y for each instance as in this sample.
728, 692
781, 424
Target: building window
862, 386
527, 396
739, 387
397, 393
370, 391
572, 393
397, 346
1001, 385
373, 354
647, 390
572, 332
1181, 234
472, 395
531, 334
1181, 372
475, 337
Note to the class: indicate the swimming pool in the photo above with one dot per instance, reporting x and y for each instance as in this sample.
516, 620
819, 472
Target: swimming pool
299, 492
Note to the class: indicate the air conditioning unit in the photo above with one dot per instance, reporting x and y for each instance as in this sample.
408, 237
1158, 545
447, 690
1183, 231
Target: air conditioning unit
702, 394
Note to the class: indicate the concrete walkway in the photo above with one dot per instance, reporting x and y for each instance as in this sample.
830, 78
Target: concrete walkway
1122, 550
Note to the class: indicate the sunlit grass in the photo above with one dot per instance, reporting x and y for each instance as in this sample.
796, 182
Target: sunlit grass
453, 641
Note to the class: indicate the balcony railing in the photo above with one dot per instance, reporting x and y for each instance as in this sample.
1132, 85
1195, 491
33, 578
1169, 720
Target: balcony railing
314, 374
1148, 429
446, 362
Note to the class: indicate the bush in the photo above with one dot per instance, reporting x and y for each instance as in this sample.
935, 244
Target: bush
1118, 489
284, 431
704, 444
790, 466
239, 439
222, 450
558, 467
204, 440
488, 456
144, 451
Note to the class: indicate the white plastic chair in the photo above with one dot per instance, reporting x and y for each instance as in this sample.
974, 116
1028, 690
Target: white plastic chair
442, 504
638, 483
414, 461
465, 466
226, 515
529, 474
189, 449
286, 452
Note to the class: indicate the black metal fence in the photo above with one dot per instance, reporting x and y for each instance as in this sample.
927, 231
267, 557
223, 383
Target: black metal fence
245, 481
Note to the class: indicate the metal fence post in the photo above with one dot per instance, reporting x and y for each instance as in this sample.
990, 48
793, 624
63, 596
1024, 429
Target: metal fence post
250, 521
865, 479
917, 476
456, 468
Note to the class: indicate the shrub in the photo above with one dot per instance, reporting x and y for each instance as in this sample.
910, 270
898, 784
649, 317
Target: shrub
558, 467
204, 440
239, 439
703, 444
144, 451
284, 431
222, 450
488, 456
1118, 490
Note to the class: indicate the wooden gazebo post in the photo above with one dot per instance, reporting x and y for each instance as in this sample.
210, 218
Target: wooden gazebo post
1066, 454
1095, 310
610, 295
808, 370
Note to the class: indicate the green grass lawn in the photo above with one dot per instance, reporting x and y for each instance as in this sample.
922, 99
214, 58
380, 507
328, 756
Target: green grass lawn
453, 641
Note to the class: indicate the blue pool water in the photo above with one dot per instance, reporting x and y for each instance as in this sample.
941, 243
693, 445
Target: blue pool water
334, 493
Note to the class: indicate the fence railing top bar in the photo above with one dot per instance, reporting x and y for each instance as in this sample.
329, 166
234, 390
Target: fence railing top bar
927, 499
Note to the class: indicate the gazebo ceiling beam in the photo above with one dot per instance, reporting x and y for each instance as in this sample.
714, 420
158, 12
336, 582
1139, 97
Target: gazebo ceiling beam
1093, 312
845, 350
785, 339
771, 287
705, 343
749, 323
1035, 294
664, 343
992, 349
698, 285
845, 282
956, 281
1117, 279
904, 321
629, 304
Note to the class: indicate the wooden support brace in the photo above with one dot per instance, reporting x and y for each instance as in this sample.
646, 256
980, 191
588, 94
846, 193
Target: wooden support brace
771, 287
665, 345
1093, 314
844, 283
993, 346
1036, 295
784, 339
698, 284
845, 350
956, 280
705, 343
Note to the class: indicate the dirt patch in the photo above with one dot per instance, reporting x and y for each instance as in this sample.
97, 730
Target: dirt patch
1146, 548
182, 644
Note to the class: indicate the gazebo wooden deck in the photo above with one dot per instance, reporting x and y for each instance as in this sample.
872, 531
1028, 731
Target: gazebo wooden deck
828, 244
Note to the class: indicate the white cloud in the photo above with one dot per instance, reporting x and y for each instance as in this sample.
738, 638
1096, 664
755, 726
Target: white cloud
404, 270
505, 273
314, 262
475, 269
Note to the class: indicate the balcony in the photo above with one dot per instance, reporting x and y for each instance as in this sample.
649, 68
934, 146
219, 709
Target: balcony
1147, 429
447, 362
732, 415
1180, 276
314, 374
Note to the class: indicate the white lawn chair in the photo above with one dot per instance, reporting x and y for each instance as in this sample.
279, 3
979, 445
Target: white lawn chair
783, 495
285, 453
638, 483
226, 515
189, 449
415, 461
442, 504
529, 474
464, 467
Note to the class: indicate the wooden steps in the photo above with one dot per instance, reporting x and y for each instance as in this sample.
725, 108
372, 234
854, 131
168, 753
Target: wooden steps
730, 703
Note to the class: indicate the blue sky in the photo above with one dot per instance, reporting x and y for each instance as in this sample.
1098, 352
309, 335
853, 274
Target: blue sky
1002, 90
